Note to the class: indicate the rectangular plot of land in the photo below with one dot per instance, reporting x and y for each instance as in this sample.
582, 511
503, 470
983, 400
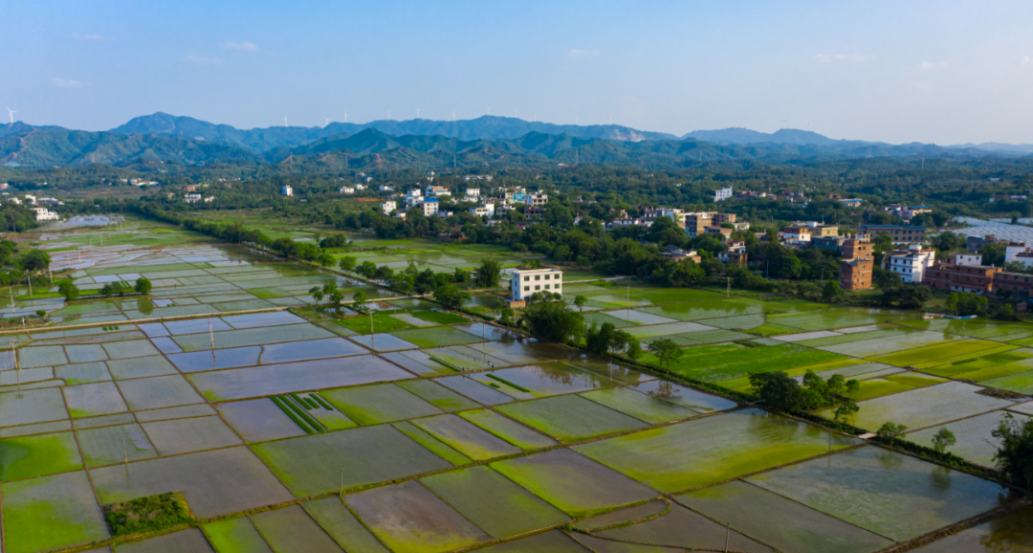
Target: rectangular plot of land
639, 317
255, 320
713, 449
196, 326
291, 529
296, 377
677, 527
132, 348
410, 519
926, 406
382, 342
114, 444
252, 337
465, 438
569, 418
438, 395
194, 434
140, 367
88, 400
493, 502
475, 390
51, 512
160, 391
338, 521
42, 356
197, 361
930, 356
416, 362
686, 397
652, 331
28, 456
169, 413
215, 483
778, 521
85, 353
311, 349
190, 540
546, 379
259, 420
312, 464
974, 439
883, 491
379, 404
236, 535
436, 336
643, 407
572, 483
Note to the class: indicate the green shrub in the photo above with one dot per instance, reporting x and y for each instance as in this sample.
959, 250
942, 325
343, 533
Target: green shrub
148, 514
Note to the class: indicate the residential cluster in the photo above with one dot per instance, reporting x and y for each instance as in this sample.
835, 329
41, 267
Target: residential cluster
491, 204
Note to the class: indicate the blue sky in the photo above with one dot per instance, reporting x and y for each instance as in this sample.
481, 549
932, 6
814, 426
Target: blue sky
946, 72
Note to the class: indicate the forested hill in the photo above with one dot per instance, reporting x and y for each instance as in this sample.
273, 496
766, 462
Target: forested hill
261, 140
36, 149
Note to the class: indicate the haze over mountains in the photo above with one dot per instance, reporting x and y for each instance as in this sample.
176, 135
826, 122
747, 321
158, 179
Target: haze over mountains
489, 140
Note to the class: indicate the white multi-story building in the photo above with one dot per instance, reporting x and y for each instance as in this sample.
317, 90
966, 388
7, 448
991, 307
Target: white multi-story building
30, 199
191, 198
389, 207
484, 210
386, 188
473, 194
436, 191
527, 282
974, 259
723, 194
346, 190
287, 190
44, 214
360, 186
430, 206
537, 199
911, 263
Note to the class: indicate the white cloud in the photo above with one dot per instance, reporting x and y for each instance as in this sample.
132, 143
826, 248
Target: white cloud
245, 46
65, 83
827, 58
1026, 60
78, 36
575, 53
929, 65
201, 59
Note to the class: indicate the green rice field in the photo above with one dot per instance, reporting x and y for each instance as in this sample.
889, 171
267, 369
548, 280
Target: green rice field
290, 428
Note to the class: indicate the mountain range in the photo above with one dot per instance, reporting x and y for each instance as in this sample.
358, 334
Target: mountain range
427, 143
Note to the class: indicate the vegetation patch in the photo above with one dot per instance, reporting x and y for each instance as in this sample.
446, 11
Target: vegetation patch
148, 514
439, 317
381, 323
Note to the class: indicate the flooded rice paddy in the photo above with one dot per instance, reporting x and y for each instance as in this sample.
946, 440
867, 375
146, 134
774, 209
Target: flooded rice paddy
287, 431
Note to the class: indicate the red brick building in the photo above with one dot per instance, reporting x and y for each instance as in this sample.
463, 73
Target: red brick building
855, 274
857, 248
1014, 282
978, 279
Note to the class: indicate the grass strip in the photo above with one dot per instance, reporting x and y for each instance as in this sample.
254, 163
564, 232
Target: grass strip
301, 401
292, 416
303, 414
322, 401
447, 365
508, 383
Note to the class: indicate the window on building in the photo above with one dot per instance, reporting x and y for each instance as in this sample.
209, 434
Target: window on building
527, 288
546, 286
537, 287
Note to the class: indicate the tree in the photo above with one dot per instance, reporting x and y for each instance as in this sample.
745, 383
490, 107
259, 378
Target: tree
634, 350
831, 292
317, 293
599, 338
621, 341
778, 390
33, 261
580, 301
666, 351
549, 317
348, 263
967, 303
783, 392
326, 260
108, 290
358, 298
890, 430
450, 296
1014, 457
68, 289
943, 439
143, 286
488, 273
844, 411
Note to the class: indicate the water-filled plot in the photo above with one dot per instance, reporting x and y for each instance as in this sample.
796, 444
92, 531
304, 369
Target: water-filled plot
465, 437
546, 379
176, 436
215, 483
1007, 534
408, 518
926, 406
160, 391
231, 358
88, 400
312, 349
570, 417
712, 449
641, 406
572, 483
51, 512
379, 404
292, 529
475, 390
140, 367
109, 445
82, 373
779, 521
493, 502
28, 456
438, 395
974, 439
336, 519
508, 429
686, 397
190, 540
436, 336
313, 464
236, 534
888, 493
942, 353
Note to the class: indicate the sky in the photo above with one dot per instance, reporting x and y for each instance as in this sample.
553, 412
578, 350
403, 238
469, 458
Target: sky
945, 71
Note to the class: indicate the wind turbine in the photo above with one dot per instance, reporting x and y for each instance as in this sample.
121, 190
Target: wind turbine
417, 113
346, 117
285, 121
388, 115
10, 113
327, 124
